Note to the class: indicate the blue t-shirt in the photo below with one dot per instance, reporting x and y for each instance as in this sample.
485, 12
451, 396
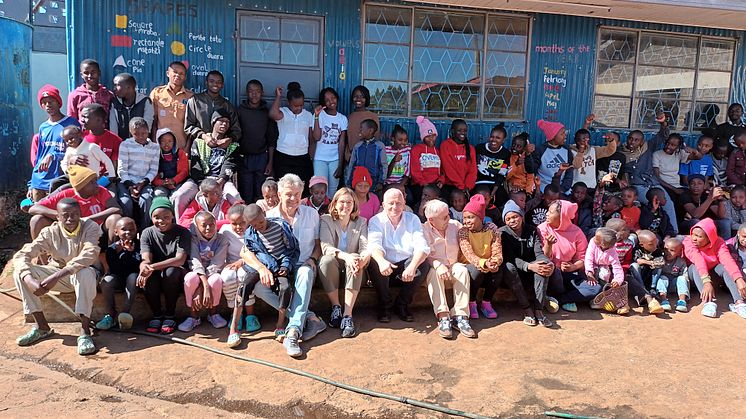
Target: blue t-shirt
702, 167
50, 143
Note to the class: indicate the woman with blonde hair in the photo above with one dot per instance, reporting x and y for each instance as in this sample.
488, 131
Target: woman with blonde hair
344, 242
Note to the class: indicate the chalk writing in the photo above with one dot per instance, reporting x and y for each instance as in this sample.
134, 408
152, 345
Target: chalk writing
142, 28
554, 83
148, 46
562, 49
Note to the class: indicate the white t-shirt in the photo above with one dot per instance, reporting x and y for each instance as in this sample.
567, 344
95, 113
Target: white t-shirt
587, 173
668, 165
327, 148
305, 228
235, 243
293, 130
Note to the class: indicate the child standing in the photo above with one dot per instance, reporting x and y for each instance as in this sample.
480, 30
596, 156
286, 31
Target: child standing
737, 160
127, 104
459, 160
50, 146
318, 198
425, 159
630, 212
120, 262
330, 133
276, 254
93, 119
295, 127
397, 157
269, 194
672, 276
138, 168
203, 286
517, 177
91, 91
371, 154
173, 165
492, 164
601, 259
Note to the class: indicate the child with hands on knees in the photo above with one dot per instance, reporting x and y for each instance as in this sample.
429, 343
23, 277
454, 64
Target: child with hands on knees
120, 262
648, 260
672, 276
601, 259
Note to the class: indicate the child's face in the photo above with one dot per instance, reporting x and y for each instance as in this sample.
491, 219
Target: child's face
330, 101
518, 146
214, 84
699, 238
428, 195
696, 186
212, 197
735, 113
430, 140
122, 89
487, 197
90, 121
742, 237
163, 219
318, 193
549, 197
167, 142
459, 132
296, 105
560, 138
52, 107
635, 140
720, 152
254, 92
238, 223
583, 141
740, 140
90, 74
221, 126
496, 140
401, 140
472, 222
176, 75
140, 134
600, 242
671, 251
458, 201
649, 244
362, 187
72, 138
366, 132
126, 230
358, 99
628, 197
738, 198
611, 206
704, 145
519, 199
206, 226
672, 144
579, 194
259, 223
271, 197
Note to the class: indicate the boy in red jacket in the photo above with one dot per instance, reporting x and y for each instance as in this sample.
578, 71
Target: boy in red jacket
459, 160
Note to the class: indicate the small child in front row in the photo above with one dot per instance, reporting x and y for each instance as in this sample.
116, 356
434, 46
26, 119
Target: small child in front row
276, 252
624, 246
672, 276
648, 259
318, 199
458, 202
269, 195
601, 259
121, 262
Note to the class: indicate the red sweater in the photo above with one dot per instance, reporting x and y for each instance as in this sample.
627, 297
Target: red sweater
182, 169
458, 171
186, 218
425, 165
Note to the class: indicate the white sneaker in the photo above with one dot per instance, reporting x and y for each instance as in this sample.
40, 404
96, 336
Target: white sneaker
189, 324
217, 321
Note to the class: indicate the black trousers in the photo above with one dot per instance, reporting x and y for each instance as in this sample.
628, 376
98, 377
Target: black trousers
529, 288
383, 283
487, 280
170, 281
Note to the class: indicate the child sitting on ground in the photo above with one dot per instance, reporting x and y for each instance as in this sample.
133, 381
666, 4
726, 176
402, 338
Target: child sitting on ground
121, 262
625, 245
275, 254
318, 199
458, 202
672, 276
648, 259
652, 215
233, 274
173, 165
735, 208
630, 212
270, 198
737, 247
203, 286
209, 199
601, 259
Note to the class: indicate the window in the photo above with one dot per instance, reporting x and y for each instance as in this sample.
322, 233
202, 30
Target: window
639, 74
420, 61
276, 49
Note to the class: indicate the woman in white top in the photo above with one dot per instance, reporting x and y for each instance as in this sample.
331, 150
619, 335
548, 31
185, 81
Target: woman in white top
329, 132
295, 126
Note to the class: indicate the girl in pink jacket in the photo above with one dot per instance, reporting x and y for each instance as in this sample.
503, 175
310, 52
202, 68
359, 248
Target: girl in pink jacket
711, 260
601, 259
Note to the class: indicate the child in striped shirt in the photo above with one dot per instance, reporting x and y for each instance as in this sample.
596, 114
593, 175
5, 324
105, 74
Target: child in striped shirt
397, 157
138, 166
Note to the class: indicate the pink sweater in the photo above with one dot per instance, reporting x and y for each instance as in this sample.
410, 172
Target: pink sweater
597, 258
707, 258
571, 242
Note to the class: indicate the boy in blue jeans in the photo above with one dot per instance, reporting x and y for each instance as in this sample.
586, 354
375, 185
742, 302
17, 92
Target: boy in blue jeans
672, 276
276, 253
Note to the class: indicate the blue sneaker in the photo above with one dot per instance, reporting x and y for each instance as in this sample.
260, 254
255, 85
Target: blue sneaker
251, 323
106, 323
571, 307
666, 305
681, 306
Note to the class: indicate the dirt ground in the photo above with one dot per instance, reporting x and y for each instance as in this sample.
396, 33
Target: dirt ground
682, 365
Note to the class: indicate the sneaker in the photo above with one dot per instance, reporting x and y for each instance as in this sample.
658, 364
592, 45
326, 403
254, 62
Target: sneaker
463, 326
314, 326
739, 309
125, 321
487, 311
654, 307
681, 306
623, 311
106, 323
666, 305
444, 328
189, 324
571, 307
251, 323
710, 310
291, 343
234, 339
335, 319
473, 313
34, 335
348, 327
217, 321
552, 305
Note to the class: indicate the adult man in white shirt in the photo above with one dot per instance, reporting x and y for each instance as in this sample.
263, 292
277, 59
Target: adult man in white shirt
399, 253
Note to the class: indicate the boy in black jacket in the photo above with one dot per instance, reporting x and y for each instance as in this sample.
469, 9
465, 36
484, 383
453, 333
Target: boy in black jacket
653, 217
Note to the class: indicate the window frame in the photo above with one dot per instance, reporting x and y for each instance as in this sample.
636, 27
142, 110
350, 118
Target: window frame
694, 100
484, 50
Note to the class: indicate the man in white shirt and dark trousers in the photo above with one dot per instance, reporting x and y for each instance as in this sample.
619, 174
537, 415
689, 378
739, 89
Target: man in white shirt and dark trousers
399, 252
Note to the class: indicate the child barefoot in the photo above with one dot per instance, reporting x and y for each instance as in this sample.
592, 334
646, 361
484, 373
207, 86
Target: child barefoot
271, 254
121, 262
269, 193
673, 275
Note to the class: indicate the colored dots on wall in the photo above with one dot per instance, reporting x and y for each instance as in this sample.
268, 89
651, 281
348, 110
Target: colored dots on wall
177, 48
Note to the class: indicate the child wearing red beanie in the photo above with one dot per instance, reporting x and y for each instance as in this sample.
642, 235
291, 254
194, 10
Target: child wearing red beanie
552, 159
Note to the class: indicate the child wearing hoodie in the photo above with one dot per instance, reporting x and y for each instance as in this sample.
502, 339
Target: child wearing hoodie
711, 259
424, 159
203, 286
552, 160
602, 261
459, 160
173, 165
565, 244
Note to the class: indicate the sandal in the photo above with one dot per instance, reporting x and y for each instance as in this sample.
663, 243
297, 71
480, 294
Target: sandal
544, 321
529, 321
85, 345
168, 326
34, 335
280, 335
234, 339
154, 326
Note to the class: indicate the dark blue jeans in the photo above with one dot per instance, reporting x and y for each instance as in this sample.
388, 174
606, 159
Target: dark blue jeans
251, 176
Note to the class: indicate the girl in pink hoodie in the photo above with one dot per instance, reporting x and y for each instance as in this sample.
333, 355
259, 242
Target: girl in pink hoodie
601, 259
711, 259
565, 244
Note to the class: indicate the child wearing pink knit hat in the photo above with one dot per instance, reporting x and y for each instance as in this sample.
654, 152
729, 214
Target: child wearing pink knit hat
552, 159
424, 159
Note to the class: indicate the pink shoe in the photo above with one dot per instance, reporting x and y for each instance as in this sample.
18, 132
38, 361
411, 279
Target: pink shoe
487, 310
473, 313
